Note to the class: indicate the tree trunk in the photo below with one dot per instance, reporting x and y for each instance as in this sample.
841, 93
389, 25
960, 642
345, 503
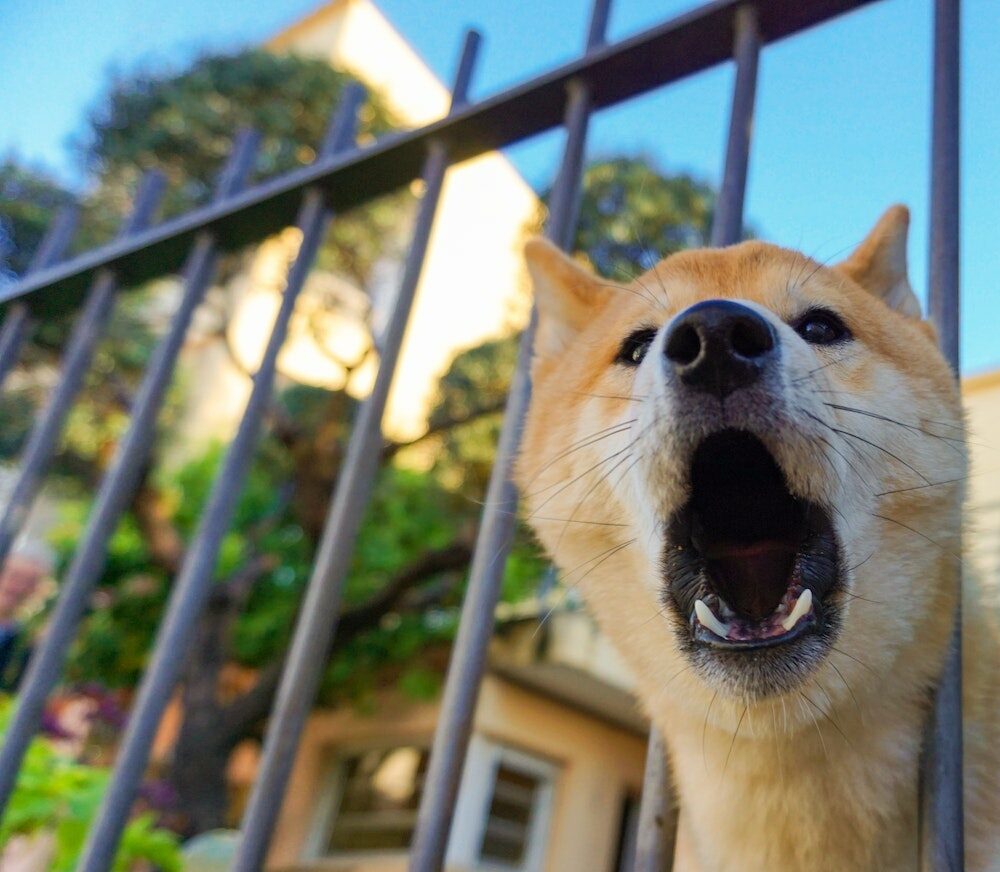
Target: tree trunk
211, 728
198, 774
201, 754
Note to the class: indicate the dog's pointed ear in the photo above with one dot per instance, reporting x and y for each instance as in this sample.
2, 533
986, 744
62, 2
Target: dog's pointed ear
878, 264
566, 295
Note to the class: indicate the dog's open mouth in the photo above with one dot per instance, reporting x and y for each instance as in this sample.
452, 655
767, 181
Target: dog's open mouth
748, 562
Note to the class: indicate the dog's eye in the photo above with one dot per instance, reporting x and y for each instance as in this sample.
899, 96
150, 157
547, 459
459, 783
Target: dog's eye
634, 348
821, 327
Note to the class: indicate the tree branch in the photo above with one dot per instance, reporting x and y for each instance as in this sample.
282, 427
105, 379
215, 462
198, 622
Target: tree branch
166, 547
241, 716
390, 449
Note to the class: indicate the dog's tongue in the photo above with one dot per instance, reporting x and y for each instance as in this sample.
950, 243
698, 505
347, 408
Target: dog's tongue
752, 578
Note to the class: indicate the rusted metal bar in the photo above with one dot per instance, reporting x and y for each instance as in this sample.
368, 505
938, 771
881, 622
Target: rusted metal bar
687, 44
658, 812
194, 581
317, 621
87, 331
942, 812
468, 657
116, 489
17, 323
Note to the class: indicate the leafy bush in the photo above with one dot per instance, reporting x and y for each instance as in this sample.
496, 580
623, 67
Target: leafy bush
59, 795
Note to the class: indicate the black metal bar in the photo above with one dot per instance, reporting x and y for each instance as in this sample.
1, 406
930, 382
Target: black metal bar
87, 330
683, 46
116, 488
496, 529
727, 224
17, 323
317, 621
942, 818
194, 581
658, 813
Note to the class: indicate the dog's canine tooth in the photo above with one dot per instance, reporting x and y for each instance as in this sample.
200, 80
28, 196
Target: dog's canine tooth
803, 605
706, 617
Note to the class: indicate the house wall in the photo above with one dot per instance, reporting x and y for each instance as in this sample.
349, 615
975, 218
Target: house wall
982, 543
598, 765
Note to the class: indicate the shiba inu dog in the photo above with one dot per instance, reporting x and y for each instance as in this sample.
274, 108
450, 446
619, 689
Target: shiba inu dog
752, 465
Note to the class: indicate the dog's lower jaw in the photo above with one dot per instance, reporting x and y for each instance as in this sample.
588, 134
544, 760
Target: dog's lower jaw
814, 799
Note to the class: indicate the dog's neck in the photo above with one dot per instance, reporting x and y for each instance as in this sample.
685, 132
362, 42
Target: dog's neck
838, 794
826, 781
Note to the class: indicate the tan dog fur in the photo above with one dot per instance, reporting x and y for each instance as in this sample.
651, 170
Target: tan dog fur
823, 778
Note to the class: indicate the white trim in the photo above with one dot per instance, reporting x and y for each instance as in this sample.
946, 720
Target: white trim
541, 812
331, 794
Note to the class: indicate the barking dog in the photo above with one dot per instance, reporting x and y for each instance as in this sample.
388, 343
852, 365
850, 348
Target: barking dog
752, 465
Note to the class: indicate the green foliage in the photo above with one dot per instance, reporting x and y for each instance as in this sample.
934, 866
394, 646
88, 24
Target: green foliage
58, 795
632, 216
28, 200
477, 379
182, 124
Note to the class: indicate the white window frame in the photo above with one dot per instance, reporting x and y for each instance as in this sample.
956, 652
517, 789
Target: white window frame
476, 796
471, 811
328, 807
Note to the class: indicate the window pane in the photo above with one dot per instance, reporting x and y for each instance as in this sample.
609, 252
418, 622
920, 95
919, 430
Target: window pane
381, 794
508, 825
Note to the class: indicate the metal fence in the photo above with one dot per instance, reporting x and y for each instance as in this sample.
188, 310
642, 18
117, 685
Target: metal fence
343, 176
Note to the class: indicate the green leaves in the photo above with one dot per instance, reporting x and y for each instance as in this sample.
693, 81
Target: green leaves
55, 794
632, 216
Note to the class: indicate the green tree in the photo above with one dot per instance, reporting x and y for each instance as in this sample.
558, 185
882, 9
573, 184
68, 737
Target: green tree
182, 124
632, 215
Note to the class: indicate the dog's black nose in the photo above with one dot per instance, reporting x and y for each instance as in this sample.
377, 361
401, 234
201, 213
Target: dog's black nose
719, 346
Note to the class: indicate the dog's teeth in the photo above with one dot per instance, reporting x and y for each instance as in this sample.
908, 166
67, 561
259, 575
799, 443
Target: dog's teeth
706, 617
802, 607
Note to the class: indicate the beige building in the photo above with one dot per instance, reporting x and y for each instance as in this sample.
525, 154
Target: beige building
551, 781
981, 394
471, 289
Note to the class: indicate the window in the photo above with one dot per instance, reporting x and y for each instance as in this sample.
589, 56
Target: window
379, 793
501, 819
517, 814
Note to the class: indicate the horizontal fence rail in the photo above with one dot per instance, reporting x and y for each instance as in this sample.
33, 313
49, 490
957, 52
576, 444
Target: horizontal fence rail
681, 47
342, 176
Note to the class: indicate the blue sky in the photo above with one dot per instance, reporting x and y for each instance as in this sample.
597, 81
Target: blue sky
841, 130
